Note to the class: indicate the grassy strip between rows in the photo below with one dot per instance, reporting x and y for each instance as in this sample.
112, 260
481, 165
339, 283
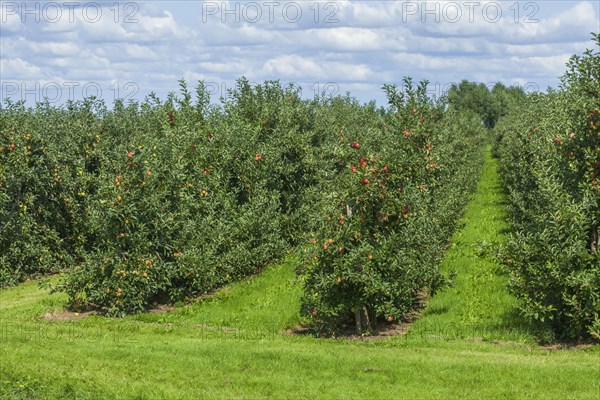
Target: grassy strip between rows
469, 343
478, 306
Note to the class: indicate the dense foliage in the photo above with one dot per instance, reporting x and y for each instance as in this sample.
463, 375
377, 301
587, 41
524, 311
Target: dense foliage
157, 201
396, 202
161, 201
549, 152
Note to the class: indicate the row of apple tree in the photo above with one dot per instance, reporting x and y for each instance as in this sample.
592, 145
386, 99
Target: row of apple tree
549, 151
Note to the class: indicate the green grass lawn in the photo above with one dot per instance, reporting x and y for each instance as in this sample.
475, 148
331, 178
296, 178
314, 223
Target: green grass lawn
468, 344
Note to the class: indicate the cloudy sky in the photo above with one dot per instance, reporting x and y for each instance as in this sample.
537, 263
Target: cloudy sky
67, 50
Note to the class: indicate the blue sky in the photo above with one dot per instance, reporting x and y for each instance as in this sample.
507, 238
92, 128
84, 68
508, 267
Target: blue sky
68, 50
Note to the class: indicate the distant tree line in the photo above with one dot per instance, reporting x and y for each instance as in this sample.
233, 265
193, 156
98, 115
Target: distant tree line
490, 105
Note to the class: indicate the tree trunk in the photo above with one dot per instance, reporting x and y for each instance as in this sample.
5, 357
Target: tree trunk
362, 320
373, 320
365, 319
358, 320
594, 239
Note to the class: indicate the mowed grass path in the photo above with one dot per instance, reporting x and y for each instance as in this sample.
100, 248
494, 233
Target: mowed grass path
233, 345
478, 306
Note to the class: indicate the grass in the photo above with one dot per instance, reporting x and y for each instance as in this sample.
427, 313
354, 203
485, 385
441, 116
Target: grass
478, 306
233, 344
263, 304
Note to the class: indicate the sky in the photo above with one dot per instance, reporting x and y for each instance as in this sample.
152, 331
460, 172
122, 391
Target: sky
70, 50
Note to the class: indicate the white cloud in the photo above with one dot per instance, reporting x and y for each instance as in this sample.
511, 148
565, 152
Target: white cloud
223, 67
357, 45
137, 52
50, 49
292, 66
20, 67
347, 39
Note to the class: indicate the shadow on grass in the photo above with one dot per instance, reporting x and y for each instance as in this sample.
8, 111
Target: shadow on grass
513, 321
435, 310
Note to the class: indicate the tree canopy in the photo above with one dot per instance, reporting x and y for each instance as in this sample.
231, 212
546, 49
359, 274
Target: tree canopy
490, 105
